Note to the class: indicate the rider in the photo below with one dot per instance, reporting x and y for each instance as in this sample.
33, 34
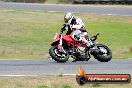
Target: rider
76, 28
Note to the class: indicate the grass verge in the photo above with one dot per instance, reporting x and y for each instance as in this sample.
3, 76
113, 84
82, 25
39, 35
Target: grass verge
51, 82
28, 34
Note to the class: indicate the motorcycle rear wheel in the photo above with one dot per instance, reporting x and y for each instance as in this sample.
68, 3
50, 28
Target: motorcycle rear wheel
56, 55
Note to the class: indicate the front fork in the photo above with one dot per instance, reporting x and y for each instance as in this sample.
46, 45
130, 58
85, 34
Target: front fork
60, 47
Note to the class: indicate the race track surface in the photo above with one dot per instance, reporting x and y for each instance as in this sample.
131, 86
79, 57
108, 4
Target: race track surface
50, 67
90, 9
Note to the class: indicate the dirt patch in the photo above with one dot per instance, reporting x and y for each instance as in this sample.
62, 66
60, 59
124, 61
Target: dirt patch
121, 51
130, 20
130, 48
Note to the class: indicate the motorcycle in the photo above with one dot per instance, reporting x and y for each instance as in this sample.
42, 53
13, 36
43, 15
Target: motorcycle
64, 45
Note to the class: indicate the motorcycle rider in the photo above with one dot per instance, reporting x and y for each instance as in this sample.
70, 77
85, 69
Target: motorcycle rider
76, 28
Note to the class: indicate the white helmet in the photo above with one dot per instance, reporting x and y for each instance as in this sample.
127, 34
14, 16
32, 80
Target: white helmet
68, 17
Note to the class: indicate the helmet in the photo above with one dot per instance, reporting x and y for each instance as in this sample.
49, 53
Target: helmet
68, 17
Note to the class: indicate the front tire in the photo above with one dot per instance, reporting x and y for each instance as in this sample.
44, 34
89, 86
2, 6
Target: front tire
56, 56
103, 56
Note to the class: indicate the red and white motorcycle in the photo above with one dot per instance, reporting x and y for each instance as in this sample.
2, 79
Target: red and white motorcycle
64, 45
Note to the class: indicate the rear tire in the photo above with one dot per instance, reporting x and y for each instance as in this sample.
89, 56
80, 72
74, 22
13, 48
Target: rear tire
56, 57
103, 58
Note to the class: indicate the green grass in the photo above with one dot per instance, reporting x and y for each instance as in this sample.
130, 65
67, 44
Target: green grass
28, 34
57, 1
53, 1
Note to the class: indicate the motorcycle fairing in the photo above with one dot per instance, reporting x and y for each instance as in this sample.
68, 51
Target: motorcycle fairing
68, 38
56, 39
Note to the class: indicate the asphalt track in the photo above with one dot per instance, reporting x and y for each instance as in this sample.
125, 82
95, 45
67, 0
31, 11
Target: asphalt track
50, 67
90, 9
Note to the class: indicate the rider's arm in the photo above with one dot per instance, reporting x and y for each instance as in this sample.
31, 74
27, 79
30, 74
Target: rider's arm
69, 30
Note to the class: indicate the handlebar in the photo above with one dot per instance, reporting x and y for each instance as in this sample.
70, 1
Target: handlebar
93, 38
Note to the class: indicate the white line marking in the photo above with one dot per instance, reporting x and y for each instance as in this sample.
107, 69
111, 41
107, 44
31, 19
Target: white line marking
69, 74
35, 75
16, 75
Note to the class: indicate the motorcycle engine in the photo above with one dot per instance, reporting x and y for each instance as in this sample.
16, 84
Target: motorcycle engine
80, 54
80, 49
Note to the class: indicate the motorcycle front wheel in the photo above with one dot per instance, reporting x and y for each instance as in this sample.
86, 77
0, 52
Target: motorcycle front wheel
57, 55
104, 54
